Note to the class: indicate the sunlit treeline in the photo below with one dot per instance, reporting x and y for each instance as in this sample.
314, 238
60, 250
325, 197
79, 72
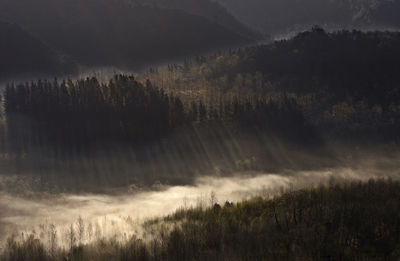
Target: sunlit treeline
350, 221
87, 112
345, 82
124, 132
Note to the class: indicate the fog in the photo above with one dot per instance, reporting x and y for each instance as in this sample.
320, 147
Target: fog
119, 214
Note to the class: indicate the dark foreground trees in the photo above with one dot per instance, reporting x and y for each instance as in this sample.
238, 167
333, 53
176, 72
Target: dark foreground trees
350, 222
354, 221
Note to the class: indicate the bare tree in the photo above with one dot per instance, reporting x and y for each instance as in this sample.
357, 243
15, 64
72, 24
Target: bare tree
81, 229
90, 231
71, 236
213, 198
52, 239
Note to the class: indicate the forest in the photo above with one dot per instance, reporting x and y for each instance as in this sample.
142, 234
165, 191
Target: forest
345, 82
318, 223
233, 101
125, 110
59, 119
294, 140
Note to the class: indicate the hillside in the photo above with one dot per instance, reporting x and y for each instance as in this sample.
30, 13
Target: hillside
299, 94
338, 222
353, 221
346, 82
113, 33
345, 63
22, 54
209, 9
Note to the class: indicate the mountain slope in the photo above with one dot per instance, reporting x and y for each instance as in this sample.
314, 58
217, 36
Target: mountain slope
114, 33
211, 10
22, 54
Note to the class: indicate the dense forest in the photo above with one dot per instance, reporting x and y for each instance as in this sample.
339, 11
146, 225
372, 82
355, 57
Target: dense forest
258, 126
318, 223
125, 110
346, 82
219, 113
58, 119
70, 113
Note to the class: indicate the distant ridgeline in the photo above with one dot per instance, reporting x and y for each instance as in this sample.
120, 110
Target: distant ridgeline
281, 17
21, 54
117, 33
209, 9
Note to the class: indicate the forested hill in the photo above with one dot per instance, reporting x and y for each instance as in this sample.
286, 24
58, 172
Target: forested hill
343, 65
347, 82
114, 33
316, 87
22, 54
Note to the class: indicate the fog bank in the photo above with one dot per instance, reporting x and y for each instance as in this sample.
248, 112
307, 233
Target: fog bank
119, 215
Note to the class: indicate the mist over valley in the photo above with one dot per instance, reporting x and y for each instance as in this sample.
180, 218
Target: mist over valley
199, 130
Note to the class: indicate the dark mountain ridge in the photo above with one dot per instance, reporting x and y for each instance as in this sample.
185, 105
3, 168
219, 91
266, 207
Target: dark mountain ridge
22, 54
211, 10
105, 33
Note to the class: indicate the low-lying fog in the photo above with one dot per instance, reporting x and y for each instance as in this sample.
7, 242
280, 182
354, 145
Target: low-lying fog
119, 215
